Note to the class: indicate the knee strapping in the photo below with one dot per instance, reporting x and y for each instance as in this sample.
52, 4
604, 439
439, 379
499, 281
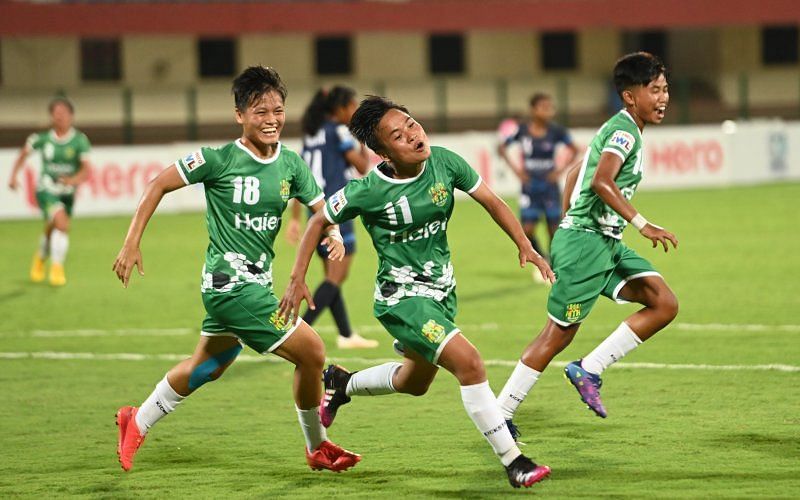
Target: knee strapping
204, 372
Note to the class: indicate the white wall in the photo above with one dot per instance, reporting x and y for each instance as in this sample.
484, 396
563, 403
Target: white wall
677, 157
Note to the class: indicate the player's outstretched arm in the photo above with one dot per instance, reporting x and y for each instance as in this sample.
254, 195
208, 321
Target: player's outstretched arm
293, 227
603, 184
130, 255
502, 215
297, 289
18, 164
569, 184
502, 150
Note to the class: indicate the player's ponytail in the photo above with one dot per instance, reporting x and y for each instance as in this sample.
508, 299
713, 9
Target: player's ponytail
315, 113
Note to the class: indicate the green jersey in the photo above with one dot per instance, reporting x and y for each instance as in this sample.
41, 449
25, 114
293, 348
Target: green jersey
61, 157
620, 136
407, 221
245, 198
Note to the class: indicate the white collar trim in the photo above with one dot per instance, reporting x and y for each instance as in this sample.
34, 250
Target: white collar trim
400, 181
65, 139
625, 112
266, 161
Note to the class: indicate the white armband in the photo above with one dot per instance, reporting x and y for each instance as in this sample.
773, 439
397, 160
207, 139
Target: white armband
639, 221
335, 235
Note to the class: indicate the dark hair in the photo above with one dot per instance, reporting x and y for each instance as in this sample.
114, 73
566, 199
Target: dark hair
367, 117
254, 82
60, 100
324, 103
539, 97
638, 68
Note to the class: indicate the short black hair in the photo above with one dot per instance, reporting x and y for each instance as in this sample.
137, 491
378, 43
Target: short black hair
539, 97
365, 120
638, 68
55, 101
254, 82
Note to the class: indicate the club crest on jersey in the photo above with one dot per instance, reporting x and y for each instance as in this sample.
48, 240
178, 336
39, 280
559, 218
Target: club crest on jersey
69, 152
433, 331
573, 312
285, 188
280, 322
337, 201
194, 160
622, 140
438, 194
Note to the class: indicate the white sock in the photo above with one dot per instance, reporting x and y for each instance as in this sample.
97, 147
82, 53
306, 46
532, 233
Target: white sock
313, 430
482, 408
518, 386
44, 247
373, 381
59, 244
159, 404
621, 341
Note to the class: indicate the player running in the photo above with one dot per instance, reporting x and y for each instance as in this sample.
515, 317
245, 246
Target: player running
247, 185
538, 172
588, 255
405, 204
329, 149
65, 164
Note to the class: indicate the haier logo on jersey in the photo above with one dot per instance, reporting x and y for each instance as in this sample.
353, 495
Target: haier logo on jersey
257, 223
622, 140
425, 232
194, 160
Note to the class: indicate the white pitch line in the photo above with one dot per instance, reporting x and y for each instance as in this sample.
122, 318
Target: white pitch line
375, 328
121, 332
127, 356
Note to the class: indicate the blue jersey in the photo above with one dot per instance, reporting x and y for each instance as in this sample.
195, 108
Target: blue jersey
539, 152
324, 154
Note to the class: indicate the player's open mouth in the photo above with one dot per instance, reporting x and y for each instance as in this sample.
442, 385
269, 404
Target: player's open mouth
419, 147
660, 110
269, 131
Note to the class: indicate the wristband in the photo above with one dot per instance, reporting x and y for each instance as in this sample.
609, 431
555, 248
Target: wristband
639, 221
336, 235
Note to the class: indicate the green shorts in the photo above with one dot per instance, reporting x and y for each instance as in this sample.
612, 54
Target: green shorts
420, 323
249, 313
50, 203
588, 265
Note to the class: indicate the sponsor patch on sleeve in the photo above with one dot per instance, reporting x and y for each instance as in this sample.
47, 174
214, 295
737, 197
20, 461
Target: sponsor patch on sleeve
194, 160
337, 201
622, 140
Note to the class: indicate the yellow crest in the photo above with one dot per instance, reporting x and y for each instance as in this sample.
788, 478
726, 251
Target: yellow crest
280, 322
438, 194
285, 189
573, 312
433, 331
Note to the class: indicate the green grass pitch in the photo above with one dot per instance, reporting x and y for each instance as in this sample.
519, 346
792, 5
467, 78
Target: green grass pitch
672, 432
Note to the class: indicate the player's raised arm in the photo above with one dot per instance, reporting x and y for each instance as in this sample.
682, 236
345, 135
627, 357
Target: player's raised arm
130, 255
297, 289
603, 184
502, 215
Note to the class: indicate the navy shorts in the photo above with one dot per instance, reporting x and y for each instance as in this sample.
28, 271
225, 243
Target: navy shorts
540, 198
348, 231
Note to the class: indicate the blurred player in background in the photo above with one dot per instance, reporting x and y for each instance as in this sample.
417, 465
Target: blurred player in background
65, 164
589, 257
405, 204
538, 173
329, 150
247, 184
